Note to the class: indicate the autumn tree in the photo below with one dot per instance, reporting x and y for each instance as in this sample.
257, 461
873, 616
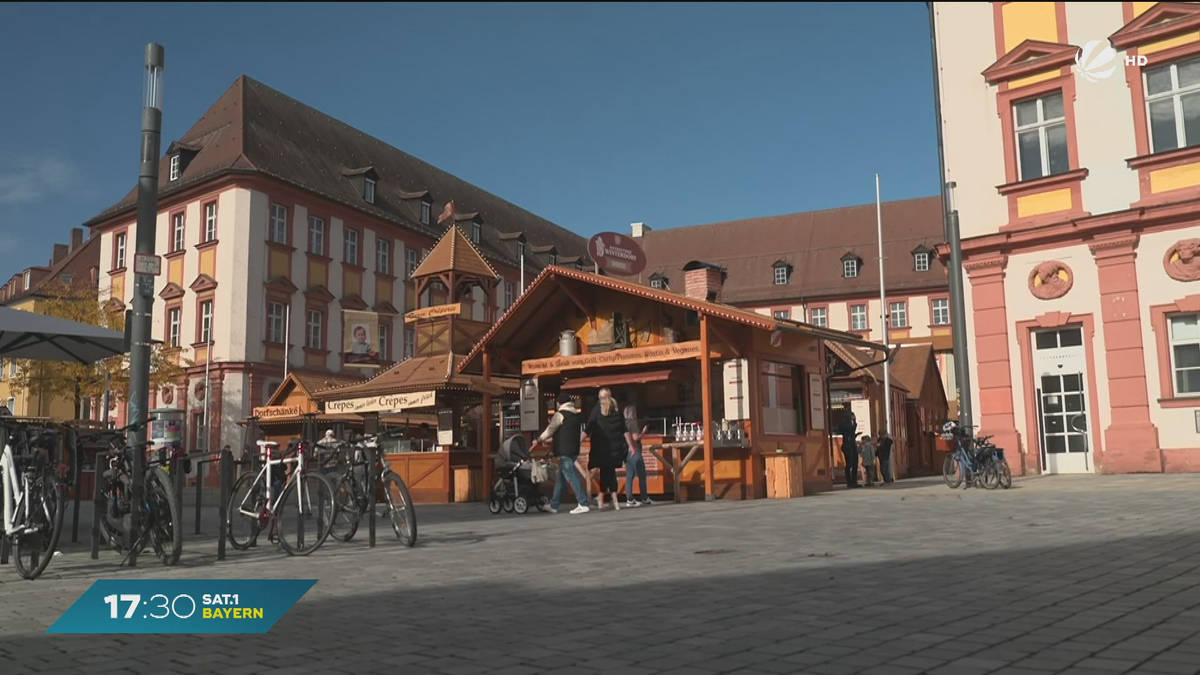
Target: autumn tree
53, 380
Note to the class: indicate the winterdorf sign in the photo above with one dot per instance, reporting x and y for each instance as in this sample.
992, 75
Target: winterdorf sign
617, 254
387, 403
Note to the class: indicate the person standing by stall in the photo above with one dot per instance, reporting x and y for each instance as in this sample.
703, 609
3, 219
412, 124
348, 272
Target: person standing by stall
606, 429
566, 428
884, 453
635, 465
850, 449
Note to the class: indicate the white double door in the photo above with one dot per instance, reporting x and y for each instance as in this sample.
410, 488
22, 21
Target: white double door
1063, 408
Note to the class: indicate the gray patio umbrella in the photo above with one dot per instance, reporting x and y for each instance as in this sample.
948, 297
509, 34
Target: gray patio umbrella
25, 335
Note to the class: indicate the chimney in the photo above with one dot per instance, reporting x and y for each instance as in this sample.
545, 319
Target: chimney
76, 238
60, 252
703, 281
639, 229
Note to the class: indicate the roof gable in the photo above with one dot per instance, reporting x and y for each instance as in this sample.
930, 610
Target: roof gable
1029, 58
1163, 20
454, 252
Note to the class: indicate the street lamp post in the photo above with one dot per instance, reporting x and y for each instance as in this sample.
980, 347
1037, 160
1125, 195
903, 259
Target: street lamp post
143, 287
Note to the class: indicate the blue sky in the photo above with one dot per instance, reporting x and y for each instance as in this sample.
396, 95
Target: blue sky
593, 116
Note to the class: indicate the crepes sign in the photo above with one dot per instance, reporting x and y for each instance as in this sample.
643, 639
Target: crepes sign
385, 403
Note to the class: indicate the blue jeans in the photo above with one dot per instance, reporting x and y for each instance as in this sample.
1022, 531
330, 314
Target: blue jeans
635, 466
567, 473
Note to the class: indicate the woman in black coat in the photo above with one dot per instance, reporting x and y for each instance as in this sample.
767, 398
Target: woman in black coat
606, 429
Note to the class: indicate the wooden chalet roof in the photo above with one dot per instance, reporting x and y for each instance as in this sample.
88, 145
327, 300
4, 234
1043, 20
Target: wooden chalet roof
439, 372
309, 383
545, 297
454, 252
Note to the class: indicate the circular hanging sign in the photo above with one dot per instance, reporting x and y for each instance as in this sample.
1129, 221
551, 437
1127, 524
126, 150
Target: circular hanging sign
617, 254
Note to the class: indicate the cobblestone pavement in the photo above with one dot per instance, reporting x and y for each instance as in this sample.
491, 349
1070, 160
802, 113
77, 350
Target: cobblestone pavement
1089, 575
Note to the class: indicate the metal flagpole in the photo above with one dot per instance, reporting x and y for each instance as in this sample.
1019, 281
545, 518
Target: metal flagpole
884, 316
287, 337
522, 268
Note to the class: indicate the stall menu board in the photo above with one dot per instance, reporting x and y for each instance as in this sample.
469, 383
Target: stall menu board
737, 405
816, 401
531, 404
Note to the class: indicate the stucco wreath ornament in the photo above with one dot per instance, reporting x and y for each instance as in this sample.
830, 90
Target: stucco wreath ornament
1182, 261
1050, 280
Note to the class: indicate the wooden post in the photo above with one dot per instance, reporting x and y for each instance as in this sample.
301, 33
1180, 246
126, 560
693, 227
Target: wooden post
485, 431
706, 400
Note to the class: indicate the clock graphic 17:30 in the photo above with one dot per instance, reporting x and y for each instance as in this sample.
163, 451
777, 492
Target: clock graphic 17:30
150, 608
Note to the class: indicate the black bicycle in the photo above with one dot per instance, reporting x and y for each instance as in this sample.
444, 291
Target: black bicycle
159, 523
34, 497
352, 488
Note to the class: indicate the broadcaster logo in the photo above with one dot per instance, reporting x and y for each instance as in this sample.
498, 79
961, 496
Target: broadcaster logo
1091, 61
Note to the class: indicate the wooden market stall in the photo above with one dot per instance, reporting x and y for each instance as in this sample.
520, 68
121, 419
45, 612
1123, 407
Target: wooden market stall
447, 465
730, 396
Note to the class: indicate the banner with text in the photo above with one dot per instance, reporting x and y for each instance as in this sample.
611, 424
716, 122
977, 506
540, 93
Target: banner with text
385, 403
616, 357
361, 331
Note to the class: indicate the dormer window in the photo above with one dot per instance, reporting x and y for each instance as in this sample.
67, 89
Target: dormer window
658, 281
175, 167
476, 232
921, 262
369, 191
552, 258
851, 266
521, 250
781, 273
425, 211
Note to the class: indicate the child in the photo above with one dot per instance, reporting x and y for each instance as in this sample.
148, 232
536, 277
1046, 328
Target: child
868, 459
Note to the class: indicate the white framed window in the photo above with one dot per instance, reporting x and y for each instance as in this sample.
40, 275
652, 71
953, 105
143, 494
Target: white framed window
858, 317
174, 322
350, 254
3, 372
899, 314
476, 232
174, 167
1173, 105
384, 334
781, 275
210, 222
28, 280
921, 262
818, 316
177, 232
1041, 128
66, 279
410, 262
316, 235
941, 312
656, 282
1185, 353
369, 191
782, 314
410, 343
12, 368
383, 256
425, 213
12, 403
119, 259
850, 268
521, 252
509, 292
552, 258
276, 322
206, 321
314, 329
279, 224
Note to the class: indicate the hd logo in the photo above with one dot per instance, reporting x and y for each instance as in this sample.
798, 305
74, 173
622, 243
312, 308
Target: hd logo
1096, 63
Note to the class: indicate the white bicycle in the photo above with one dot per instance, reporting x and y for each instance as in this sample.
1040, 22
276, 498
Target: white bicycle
261, 499
34, 498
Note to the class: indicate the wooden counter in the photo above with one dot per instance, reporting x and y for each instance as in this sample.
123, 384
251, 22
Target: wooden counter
430, 476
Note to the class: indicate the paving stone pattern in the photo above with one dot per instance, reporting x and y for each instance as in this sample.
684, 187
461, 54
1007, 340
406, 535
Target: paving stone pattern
1092, 575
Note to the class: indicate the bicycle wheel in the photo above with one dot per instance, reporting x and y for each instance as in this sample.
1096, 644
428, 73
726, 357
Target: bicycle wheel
305, 512
951, 473
33, 550
250, 494
346, 515
114, 510
400, 508
989, 476
163, 524
1005, 475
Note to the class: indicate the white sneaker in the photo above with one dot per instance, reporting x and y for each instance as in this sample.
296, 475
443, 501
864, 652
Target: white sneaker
580, 509
616, 505
630, 503
551, 509
647, 502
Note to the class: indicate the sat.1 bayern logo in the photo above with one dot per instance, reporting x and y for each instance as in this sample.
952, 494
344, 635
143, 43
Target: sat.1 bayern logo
1091, 61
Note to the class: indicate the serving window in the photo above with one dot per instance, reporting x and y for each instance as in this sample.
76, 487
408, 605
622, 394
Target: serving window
781, 395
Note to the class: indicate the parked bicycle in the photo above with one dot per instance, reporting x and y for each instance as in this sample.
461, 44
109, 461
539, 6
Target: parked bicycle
353, 487
34, 496
974, 461
262, 499
160, 525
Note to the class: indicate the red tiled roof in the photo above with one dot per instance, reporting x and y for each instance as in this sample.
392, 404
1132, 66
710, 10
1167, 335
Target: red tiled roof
255, 129
813, 243
77, 263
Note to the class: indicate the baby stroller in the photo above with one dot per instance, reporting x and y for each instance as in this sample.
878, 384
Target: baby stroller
519, 483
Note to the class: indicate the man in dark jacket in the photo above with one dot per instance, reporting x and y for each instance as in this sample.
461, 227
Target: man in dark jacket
566, 428
849, 430
885, 456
